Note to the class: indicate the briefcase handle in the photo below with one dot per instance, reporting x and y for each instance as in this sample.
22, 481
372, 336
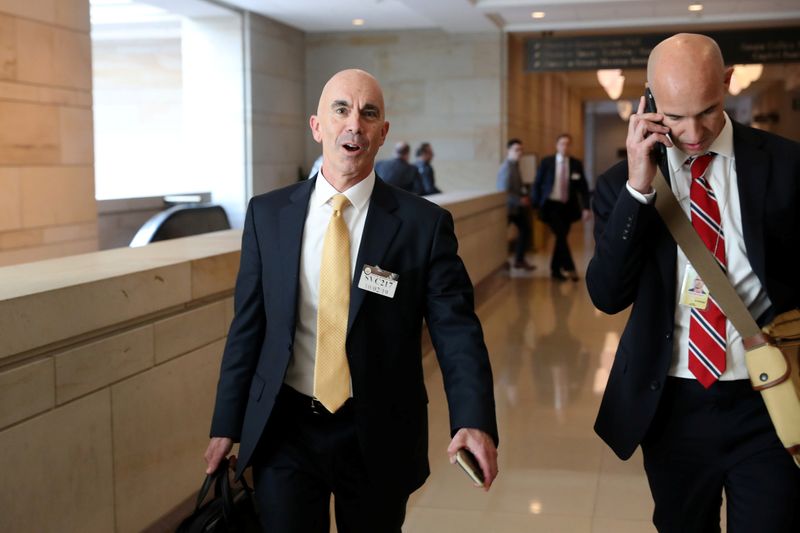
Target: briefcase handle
222, 488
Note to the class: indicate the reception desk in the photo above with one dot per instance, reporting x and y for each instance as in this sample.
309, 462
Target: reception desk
108, 369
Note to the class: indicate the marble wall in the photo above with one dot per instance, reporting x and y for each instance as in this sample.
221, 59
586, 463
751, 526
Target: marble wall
438, 87
105, 415
47, 205
276, 113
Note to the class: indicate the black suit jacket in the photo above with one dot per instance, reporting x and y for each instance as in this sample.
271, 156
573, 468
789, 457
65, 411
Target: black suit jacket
403, 234
578, 188
399, 173
635, 261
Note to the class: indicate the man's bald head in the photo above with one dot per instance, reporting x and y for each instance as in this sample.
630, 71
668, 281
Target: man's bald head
689, 81
348, 78
686, 57
351, 126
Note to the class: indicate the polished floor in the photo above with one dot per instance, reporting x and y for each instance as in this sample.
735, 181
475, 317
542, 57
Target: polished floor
551, 352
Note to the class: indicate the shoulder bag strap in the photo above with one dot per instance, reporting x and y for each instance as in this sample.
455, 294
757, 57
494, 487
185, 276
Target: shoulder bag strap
703, 262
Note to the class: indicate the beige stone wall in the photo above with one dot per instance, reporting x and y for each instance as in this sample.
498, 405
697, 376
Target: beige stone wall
108, 367
439, 87
277, 116
47, 205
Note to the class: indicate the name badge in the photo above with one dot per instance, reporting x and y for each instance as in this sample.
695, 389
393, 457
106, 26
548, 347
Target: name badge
379, 281
694, 292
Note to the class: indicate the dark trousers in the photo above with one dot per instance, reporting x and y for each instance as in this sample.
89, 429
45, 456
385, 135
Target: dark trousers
555, 215
305, 457
521, 220
703, 442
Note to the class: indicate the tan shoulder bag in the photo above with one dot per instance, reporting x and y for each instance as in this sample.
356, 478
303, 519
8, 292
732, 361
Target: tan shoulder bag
772, 353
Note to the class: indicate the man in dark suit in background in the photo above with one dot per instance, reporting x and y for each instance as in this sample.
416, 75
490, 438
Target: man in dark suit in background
679, 386
322, 379
427, 182
561, 194
398, 171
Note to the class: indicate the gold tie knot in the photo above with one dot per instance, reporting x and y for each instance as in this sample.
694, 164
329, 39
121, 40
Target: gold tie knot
339, 202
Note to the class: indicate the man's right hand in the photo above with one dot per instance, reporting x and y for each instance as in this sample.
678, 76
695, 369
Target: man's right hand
217, 450
644, 131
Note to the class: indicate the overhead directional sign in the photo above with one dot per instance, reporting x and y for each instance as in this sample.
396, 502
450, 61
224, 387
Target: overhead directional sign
773, 45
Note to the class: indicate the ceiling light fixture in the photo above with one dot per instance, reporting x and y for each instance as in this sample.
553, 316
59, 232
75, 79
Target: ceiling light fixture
612, 81
743, 76
537, 14
696, 7
358, 22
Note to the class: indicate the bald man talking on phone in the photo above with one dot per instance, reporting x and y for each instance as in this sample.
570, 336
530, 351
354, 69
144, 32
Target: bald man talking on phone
679, 387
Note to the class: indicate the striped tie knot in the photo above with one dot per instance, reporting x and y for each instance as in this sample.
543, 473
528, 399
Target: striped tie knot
698, 165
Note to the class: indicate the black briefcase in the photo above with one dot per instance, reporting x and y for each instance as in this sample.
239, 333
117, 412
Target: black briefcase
231, 510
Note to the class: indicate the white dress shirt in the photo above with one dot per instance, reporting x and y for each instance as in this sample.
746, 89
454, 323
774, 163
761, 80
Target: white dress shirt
722, 177
300, 373
562, 174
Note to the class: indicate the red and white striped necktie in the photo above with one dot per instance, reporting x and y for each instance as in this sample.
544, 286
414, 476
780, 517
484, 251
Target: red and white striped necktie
707, 327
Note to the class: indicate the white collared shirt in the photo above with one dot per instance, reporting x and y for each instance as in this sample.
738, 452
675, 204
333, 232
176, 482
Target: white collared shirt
723, 180
555, 194
300, 373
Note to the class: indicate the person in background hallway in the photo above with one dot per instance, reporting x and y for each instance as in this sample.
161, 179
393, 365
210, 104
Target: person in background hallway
679, 386
509, 180
427, 182
322, 380
398, 171
561, 194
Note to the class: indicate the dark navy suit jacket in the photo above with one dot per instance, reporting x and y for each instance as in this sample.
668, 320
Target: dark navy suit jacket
403, 234
635, 260
399, 173
578, 190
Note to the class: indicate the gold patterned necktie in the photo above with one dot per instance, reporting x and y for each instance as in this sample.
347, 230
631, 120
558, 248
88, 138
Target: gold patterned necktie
331, 371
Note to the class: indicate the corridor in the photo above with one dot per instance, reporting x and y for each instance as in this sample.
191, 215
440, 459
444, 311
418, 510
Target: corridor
551, 352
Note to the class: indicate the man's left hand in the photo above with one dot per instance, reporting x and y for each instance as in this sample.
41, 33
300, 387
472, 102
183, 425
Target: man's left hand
586, 215
482, 447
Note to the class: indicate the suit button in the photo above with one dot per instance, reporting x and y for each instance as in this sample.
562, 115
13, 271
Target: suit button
667, 336
655, 385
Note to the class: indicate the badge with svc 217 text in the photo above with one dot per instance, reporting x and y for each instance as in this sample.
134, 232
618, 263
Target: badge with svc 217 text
374, 279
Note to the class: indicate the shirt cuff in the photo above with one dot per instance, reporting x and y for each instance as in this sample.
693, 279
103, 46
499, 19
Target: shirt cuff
641, 198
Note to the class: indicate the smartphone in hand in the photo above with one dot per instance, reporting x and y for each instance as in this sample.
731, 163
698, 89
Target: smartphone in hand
659, 151
469, 464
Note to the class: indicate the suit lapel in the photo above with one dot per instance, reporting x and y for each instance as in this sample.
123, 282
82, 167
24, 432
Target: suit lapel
291, 222
380, 229
752, 175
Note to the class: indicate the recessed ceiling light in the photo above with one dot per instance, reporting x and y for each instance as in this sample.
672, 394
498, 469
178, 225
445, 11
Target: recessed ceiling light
696, 7
537, 14
358, 22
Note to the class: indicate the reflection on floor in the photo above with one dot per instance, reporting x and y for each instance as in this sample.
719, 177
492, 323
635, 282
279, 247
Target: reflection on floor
551, 352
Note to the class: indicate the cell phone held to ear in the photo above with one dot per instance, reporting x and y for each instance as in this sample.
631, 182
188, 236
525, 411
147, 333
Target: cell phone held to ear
469, 464
659, 150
